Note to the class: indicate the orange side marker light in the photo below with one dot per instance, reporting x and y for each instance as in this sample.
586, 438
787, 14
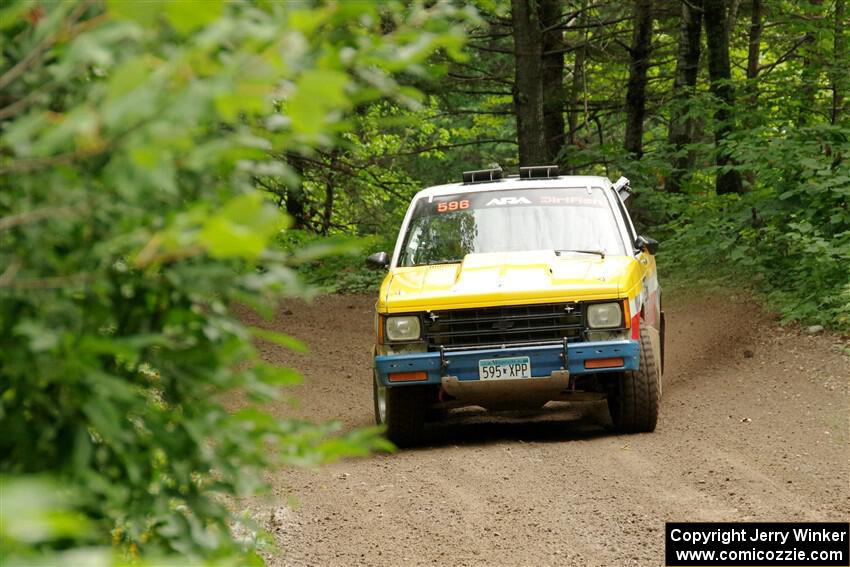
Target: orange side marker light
604, 363
409, 376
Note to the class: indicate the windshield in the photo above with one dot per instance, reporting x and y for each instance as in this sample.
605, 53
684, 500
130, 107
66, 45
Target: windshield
447, 228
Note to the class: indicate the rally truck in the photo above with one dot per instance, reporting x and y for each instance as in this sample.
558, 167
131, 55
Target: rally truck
510, 292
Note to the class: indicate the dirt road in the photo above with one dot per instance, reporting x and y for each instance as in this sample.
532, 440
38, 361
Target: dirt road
753, 426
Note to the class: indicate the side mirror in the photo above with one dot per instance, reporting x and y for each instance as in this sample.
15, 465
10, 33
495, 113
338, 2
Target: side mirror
650, 244
378, 261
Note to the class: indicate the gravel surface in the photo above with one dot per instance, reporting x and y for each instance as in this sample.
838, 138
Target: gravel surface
753, 426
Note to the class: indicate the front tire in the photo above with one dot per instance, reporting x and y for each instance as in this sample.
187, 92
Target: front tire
402, 411
633, 403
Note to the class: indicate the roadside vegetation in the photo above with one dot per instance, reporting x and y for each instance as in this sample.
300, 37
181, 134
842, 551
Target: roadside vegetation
133, 136
161, 161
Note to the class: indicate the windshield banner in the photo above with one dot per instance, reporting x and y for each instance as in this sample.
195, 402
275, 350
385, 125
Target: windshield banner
578, 197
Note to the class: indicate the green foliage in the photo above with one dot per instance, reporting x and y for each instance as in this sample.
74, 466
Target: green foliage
35, 511
392, 150
790, 235
342, 267
130, 141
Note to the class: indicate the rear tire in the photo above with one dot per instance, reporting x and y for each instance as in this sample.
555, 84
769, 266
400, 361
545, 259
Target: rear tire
402, 411
633, 402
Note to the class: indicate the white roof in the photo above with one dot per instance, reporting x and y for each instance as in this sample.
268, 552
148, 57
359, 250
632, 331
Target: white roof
514, 183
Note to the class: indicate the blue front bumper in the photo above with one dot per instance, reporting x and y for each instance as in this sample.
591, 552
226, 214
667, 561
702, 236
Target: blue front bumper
545, 359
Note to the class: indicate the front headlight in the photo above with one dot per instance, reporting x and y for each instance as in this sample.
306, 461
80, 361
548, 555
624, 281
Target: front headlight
604, 315
403, 328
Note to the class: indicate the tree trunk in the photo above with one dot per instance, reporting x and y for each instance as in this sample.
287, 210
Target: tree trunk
327, 213
839, 62
681, 129
754, 50
810, 74
528, 82
296, 198
636, 89
732, 16
578, 78
750, 119
553, 79
717, 39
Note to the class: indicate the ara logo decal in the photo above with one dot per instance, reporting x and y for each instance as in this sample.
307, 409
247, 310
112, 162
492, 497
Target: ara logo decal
508, 201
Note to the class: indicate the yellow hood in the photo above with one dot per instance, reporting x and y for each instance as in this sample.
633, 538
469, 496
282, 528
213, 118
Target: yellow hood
507, 279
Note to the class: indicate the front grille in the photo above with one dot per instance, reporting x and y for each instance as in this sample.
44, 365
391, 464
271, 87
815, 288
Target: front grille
500, 325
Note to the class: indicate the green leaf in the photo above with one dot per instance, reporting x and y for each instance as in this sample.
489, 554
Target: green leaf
278, 339
143, 13
278, 375
242, 228
11, 14
188, 15
328, 247
41, 338
106, 420
130, 74
318, 92
35, 509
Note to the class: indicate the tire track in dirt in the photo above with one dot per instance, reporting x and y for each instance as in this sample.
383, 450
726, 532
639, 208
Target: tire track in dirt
753, 426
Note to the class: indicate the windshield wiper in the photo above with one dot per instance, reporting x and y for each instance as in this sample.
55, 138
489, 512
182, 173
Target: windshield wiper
438, 262
597, 252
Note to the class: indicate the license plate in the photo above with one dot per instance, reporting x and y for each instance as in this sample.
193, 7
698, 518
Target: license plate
504, 368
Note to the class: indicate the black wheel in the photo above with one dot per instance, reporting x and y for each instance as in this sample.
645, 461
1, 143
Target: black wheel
633, 402
402, 411
436, 414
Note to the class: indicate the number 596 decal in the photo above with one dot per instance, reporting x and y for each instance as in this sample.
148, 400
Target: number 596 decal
452, 206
